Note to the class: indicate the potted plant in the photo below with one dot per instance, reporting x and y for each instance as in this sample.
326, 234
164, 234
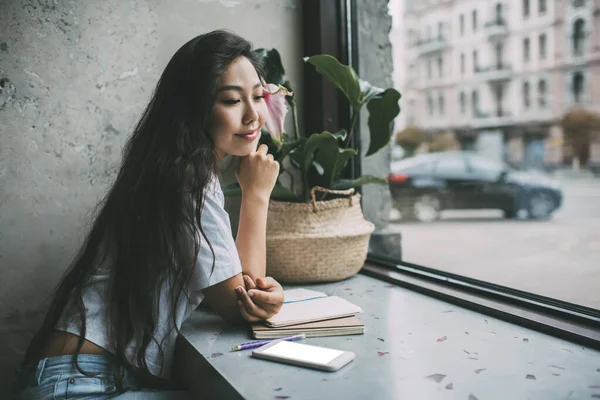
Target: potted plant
316, 231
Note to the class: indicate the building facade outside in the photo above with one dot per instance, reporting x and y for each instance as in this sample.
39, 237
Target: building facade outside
500, 74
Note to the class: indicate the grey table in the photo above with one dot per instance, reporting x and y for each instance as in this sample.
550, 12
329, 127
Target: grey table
415, 347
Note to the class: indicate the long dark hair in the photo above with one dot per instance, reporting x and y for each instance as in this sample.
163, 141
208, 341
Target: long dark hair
145, 225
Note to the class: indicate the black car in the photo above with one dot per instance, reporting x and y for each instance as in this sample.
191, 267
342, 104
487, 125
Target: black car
424, 185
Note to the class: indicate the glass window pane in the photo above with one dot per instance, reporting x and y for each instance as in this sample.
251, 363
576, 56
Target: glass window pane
493, 161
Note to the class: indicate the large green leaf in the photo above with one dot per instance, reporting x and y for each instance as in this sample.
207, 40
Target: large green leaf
343, 184
383, 108
333, 160
342, 76
289, 144
305, 155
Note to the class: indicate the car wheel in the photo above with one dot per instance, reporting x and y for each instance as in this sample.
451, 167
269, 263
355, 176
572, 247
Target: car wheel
426, 208
540, 205
510, 213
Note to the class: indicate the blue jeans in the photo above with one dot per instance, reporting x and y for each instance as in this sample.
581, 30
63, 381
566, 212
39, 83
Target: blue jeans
57, 378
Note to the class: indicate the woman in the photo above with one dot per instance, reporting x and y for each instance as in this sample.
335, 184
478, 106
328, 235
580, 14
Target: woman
161, 242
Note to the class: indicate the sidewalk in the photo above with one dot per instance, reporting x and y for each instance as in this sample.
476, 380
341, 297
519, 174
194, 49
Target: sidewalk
569, 173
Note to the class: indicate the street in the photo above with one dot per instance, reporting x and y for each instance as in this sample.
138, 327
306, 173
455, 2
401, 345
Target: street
558, 258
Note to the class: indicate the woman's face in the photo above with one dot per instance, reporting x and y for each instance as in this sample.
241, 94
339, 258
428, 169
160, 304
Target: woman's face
239, 111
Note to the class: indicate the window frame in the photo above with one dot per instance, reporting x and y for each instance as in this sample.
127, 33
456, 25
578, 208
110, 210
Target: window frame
543, 46
526, 9
331, 27
526, 49
526, 90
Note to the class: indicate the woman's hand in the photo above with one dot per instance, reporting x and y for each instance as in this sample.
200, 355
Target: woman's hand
260, 300
257, 172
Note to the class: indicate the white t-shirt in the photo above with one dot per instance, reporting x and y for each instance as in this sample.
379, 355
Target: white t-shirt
216, 226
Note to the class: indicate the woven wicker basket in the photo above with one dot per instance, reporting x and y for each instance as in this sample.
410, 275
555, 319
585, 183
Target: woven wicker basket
321, 241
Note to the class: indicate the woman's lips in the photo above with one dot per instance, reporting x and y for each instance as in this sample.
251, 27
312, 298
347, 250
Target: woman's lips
248, 136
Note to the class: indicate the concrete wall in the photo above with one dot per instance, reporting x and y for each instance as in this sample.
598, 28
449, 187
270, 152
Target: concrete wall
74, 76
376, 66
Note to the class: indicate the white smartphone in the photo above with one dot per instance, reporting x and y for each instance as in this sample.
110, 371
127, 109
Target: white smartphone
304, 355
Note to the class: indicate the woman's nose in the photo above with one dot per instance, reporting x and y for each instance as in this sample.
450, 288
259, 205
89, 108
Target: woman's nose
251, 113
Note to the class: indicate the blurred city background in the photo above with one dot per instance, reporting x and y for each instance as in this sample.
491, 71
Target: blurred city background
495, 166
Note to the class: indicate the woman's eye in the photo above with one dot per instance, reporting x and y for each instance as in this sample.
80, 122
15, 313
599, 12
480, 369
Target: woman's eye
230, 102
259, 97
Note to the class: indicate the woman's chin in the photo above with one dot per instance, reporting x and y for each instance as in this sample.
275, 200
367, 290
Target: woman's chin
243, 152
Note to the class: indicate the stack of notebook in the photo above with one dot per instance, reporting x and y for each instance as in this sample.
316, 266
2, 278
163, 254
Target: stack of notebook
312, 313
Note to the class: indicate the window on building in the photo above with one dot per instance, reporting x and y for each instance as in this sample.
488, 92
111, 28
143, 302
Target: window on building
578, 37
474, 15
499, 93
440, 30
526, 98
475, 61
441, 104
440, 62
578, 87
526, 50
499, 55
578, 3
475, 102
429, 69
542, 7
542, 93
463, 105
462, 63
462, 24
499, 18
542, 45
525, 8
430, 105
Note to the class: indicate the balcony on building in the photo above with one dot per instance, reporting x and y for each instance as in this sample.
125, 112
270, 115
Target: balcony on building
431, 45
496, 73
496, 29
495, 119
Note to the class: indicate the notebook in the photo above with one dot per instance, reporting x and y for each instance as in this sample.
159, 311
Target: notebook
330, 327
303, 306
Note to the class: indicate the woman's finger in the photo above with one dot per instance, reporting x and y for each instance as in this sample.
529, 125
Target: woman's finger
262, 149
251, 307
245, 314
267, 283
249, 282
261, 297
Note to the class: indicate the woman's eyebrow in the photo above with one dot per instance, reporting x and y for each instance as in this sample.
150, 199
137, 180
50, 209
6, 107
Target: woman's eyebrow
237, 88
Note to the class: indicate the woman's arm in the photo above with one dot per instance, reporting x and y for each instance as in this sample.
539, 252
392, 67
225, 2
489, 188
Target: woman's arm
238, 298
232, 302
251, 241
256, 174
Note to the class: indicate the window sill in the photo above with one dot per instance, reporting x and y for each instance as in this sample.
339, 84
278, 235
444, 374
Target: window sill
556, 319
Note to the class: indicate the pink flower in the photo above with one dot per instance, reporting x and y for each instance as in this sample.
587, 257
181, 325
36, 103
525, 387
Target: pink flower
277, 106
